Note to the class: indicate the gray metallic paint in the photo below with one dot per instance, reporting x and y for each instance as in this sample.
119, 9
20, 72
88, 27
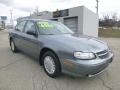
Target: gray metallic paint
64, 46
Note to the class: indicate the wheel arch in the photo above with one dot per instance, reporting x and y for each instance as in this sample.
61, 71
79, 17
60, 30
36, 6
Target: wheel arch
43, 51
10, 40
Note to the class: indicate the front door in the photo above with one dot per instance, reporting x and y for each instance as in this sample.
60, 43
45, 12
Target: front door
30, 41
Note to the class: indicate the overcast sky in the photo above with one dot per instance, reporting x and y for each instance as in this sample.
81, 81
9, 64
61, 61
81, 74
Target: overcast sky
25, 7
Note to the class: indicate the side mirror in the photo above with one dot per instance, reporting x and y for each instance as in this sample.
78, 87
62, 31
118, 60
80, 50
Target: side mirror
17, 29
30, 32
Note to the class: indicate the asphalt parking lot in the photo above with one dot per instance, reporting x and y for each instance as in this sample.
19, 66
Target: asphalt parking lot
20, 72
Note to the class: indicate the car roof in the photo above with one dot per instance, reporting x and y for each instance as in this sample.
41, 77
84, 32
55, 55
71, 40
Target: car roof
36, 20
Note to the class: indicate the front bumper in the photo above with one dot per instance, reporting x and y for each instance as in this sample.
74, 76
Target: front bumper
85, 67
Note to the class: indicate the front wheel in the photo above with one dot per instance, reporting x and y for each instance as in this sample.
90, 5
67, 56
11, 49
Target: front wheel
51, 64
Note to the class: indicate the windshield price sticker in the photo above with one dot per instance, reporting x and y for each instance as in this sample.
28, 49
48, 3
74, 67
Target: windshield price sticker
45, 25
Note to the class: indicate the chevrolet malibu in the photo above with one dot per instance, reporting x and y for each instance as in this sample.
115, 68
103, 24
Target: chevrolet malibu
58, 49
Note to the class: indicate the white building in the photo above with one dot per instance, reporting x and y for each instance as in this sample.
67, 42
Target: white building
79, 19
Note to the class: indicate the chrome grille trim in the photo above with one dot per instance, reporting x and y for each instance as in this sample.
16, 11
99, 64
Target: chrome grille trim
103, 54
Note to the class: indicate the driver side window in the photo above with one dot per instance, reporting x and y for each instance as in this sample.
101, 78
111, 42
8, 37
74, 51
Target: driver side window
29, 27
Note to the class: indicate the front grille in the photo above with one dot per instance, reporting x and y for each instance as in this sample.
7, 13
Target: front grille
103, 54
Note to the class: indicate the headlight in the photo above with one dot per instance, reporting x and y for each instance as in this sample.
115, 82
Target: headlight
84, 55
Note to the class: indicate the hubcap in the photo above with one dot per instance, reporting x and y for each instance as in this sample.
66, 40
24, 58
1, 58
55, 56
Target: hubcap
12, 46
49, 64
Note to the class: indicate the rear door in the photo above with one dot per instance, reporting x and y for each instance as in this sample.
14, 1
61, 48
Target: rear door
17, 35
31, 43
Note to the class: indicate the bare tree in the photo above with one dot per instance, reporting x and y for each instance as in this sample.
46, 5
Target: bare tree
36, 11
108, 20
114, 17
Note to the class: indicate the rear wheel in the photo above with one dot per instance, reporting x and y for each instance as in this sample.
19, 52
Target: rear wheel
12, 45
51, 64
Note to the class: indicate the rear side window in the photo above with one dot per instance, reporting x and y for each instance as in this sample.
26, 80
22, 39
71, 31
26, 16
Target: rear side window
20, 26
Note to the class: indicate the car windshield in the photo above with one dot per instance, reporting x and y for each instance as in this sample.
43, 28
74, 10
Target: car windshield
52, 27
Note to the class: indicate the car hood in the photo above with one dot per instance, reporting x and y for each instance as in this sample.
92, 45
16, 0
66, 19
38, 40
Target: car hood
78, 42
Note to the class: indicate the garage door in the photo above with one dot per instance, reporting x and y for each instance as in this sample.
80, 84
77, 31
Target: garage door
71, 23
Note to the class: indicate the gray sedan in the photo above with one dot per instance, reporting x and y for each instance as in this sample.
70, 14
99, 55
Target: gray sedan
58, 49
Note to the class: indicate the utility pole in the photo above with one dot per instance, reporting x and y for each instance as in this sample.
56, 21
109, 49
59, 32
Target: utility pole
11, 17
97, 10
97, 7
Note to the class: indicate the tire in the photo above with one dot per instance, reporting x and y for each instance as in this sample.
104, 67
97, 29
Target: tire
13, 47
54, 59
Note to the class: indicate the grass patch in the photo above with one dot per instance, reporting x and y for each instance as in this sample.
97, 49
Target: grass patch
109, 33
